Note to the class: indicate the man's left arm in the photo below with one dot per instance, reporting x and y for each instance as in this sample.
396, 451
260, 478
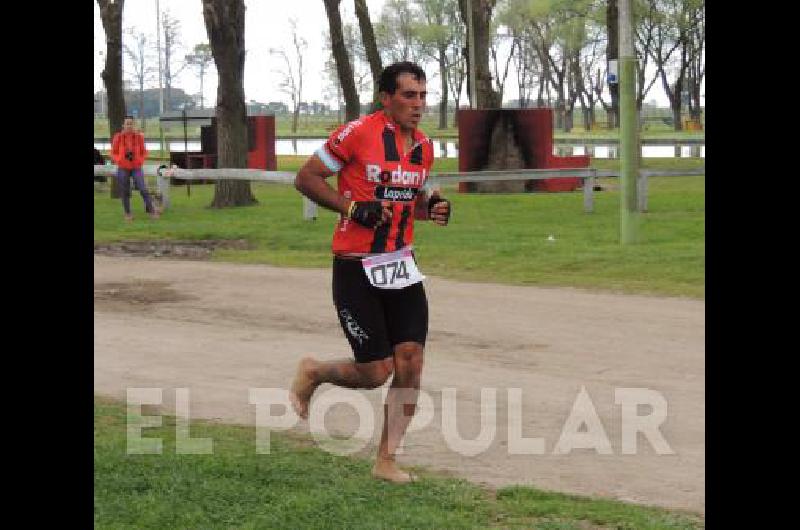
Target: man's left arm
430, 205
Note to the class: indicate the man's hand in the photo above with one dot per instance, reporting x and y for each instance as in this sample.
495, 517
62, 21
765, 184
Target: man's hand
439, 209
369, 213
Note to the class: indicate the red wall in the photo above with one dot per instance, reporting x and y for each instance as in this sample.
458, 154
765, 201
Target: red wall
534, 130
262, 152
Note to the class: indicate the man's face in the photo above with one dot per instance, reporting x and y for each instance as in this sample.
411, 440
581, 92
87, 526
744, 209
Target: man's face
405, 106
127, 125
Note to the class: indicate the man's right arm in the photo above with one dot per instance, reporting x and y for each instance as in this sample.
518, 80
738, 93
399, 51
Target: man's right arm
311, 182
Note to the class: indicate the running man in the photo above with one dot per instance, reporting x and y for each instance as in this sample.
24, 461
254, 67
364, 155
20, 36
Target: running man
382, 161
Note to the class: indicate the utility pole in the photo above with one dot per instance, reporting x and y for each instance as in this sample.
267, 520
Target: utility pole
160, 89
629, 149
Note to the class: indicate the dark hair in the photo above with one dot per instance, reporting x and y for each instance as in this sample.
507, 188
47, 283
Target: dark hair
128, 116
387, 82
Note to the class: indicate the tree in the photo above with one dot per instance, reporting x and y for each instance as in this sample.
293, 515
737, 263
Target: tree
292, 72
111, 17
343, 68
495, 44
201, 58
574, 38
437, 30
362, 75
481, 21
370, 47
516, 15
590, 84
457, 63
677, 22
527, 69
333, 90
695, 45
172, 43
612, 54
549, 45
395, 32
647, 20
224, 21
140, 57
150, 97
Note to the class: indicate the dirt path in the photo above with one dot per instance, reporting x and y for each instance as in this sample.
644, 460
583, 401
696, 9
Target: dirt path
221, 329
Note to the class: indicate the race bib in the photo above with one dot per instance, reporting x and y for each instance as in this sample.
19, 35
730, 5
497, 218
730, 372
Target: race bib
393, 270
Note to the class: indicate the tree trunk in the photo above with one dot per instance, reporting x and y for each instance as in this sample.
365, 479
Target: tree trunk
568, 118
225, 28
674, 96
296, 118
343, 68
443, 76
695, 99
368, 38
487, 97
677, 106
111, 16
612, 53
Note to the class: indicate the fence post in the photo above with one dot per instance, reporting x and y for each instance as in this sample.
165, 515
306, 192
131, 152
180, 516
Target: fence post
588, 192
162, 184
309, 209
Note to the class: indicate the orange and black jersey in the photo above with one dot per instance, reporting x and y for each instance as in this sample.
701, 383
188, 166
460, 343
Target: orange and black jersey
368, 155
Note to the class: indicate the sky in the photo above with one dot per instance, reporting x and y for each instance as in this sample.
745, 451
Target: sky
266, 26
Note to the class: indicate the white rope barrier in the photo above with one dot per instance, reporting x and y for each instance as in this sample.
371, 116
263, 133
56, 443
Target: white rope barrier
589, 176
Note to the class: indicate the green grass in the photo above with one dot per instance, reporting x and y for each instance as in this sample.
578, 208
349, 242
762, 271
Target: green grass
492, 237
300, 486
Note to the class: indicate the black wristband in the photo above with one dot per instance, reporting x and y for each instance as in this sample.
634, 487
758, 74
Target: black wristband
366, 213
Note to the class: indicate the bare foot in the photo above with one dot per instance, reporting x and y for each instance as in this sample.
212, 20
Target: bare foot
387, 470
128, 217
303, 387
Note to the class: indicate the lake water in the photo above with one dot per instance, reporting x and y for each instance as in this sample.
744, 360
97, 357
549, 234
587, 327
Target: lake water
448, 149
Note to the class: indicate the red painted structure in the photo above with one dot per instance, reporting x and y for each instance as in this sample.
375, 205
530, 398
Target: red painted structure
261, 143
260, 146
533, 132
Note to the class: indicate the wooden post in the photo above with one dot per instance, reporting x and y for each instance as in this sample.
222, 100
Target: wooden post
162, 183
309, 209
588, 194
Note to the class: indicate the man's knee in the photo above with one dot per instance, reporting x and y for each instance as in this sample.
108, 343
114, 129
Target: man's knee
408, 358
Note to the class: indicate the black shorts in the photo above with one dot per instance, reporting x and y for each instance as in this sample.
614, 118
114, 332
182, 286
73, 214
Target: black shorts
375, 320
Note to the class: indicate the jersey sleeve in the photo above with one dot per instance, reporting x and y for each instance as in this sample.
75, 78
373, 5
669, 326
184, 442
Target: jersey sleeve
338, 149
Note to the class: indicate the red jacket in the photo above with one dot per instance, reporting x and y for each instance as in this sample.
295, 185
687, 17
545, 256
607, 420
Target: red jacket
122, 142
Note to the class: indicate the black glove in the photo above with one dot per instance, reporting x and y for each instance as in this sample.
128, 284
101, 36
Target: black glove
433, 201
366, 213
